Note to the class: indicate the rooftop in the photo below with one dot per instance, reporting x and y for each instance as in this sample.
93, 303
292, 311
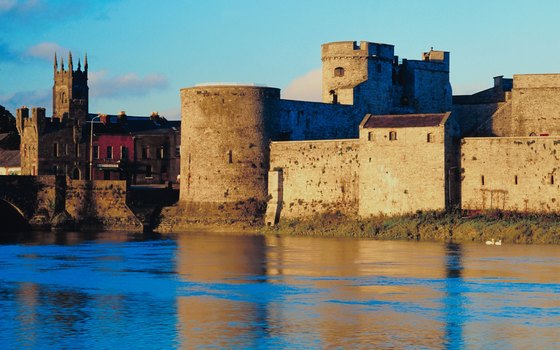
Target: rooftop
404, 120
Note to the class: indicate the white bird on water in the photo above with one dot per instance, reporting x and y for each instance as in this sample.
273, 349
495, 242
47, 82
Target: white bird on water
493, 242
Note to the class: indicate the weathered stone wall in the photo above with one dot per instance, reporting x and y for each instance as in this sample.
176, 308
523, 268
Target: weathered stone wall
317, 176
478, 120
428, 86
225, 154
407, 174
511, 173
100, 204
536, 104
317, 121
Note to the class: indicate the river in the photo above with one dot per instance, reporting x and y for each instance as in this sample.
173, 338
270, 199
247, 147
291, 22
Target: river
127, 291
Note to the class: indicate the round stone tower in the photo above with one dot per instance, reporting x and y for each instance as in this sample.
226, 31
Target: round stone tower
225, 136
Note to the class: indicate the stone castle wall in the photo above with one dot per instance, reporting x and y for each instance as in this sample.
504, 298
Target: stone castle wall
511, 173
536, 104
301, 120
403, 175
317, 176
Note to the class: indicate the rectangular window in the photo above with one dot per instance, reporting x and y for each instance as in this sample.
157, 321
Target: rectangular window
230, 157
177, 151
482, 180
124, 152
145, 152
55, 149
430, 138
552, 179
370, 136
516, 180
77, 150
160, 152
148, 171
393, 136
95, 152
109, 152
66, 152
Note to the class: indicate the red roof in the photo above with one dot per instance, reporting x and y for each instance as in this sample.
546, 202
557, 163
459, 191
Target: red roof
405, 120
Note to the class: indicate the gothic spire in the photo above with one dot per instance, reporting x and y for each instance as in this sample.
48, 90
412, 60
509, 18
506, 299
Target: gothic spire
61, 63
85, 63
55, 63
70, 64
79, 64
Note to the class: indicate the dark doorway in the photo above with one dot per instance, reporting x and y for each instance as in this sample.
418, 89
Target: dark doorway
76, 174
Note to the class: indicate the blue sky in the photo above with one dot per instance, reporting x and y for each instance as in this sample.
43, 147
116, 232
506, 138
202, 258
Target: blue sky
142, 52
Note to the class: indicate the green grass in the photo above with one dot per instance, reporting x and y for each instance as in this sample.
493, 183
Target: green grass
430, 226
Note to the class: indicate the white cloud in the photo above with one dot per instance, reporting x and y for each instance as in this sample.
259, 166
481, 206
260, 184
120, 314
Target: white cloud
171, 114
34, 98
7, 5
306, 87
45, 50
103, 85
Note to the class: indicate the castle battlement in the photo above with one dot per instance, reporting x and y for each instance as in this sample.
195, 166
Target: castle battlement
352, 49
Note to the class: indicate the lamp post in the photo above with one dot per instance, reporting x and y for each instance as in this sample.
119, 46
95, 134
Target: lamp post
91, 147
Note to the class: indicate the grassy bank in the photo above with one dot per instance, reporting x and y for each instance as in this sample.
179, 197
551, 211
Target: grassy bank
430, 226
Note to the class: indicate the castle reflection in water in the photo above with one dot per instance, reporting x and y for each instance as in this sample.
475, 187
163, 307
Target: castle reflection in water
227, 291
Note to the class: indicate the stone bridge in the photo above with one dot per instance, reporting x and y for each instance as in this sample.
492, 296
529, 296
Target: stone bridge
52, 201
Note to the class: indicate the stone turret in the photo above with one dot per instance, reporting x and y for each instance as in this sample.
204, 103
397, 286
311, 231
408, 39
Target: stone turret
30, 129
226, 131
347, 65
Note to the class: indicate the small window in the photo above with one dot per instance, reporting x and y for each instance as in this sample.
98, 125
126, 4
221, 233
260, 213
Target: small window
95, 152
482, 180
124, 152
77, 150
145, 152
552, 179
392, 136
148, 171
160, 152
55, 149
370, 136
516, 180
66, 152
430, 138
177, 151
109, 152
339, 72
230, 157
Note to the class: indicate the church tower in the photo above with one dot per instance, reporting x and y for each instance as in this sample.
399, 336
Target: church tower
70, 90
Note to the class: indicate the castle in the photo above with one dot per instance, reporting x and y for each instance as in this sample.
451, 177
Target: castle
388, 138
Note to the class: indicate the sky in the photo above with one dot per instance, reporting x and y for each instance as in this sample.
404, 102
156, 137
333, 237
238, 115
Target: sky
141, 53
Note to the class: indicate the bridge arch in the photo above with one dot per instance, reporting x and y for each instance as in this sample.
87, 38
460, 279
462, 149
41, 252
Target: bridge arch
12, 218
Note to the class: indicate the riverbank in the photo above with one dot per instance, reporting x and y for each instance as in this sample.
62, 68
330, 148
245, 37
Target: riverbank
511, 228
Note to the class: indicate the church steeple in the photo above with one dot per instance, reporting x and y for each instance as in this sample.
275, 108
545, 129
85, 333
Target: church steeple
55, 66
85, 63
70, 91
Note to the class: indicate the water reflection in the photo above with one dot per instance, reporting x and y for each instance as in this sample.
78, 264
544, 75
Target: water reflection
222, 316
454, 298
235, 291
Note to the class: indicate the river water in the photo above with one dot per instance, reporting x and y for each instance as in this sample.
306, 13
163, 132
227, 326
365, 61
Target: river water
124, 291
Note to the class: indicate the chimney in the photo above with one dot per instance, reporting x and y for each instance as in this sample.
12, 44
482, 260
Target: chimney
104, 118
122, 117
